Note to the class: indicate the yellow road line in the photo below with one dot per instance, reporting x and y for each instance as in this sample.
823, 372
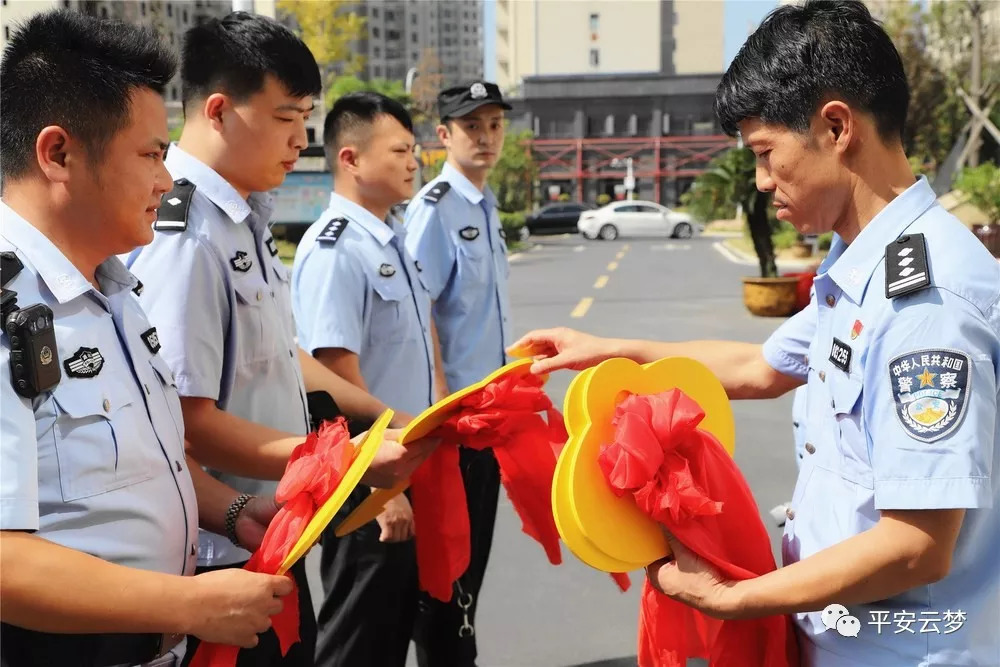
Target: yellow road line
582, 307
612, 266
621, 253
625, 247
601, 282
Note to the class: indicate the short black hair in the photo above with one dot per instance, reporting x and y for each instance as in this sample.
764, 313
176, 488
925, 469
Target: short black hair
801, 54
77, 72
356, 111
234, 54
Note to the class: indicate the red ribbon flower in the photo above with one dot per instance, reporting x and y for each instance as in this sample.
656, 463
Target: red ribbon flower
683, 478
314, 471
503, 416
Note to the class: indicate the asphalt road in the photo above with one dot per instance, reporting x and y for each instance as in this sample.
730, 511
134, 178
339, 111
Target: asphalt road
531, 613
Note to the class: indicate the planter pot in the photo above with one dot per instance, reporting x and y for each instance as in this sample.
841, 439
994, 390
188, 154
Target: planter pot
771, 297
990, 236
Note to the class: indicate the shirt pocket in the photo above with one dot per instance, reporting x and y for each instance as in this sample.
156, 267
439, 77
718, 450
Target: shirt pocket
474, 262
852, 439
168, 387
96, 438
254, 341
393, 318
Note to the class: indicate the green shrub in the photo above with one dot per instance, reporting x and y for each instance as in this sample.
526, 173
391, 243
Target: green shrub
785, 236
824, 241
982, 187
603, 199
512, 224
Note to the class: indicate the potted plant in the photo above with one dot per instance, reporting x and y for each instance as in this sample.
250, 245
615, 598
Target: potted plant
733, 174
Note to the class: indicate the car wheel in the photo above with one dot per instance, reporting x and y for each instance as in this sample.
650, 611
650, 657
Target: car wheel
682, 230
608, 233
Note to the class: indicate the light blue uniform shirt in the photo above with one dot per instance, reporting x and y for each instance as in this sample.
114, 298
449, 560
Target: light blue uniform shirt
910, 425
357, 288
458, 244
97, 464
220, 298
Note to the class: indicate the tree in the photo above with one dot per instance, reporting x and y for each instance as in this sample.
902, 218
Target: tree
514, 173
733, 175
426, 87
935, 45
352, 84
330, 29
982, 187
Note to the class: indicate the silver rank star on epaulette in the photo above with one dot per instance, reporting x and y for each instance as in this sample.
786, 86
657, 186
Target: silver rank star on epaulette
906, 269
333, 230
172, 215
439, 190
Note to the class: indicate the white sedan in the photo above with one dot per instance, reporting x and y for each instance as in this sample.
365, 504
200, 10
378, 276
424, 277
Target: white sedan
635, 218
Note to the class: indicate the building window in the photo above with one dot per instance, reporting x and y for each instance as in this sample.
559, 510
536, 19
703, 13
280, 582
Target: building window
413, 37
414, 57
170, 9
413, 19
184, 16
311, 135
376, 51
466, 28
595, 58
390, 16
375, 13
104, 12
595, 20
376, 32
6, 31
376, 71
142, 8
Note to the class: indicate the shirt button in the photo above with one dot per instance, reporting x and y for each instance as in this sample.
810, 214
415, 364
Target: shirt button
789, 514
107, 405
178, 464
260, 295
822, 376
811, 448
830, 300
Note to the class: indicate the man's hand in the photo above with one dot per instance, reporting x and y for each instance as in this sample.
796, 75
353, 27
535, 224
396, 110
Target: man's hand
396, 520
233, 606
400, 420
252, 522
554, 349
687, 578
395, 463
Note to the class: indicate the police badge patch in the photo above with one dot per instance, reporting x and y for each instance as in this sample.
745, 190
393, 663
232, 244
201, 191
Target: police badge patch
151, 339
469, 233
86, 363
930, 389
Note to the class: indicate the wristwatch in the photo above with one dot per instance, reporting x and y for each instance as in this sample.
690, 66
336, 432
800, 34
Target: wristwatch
233, 513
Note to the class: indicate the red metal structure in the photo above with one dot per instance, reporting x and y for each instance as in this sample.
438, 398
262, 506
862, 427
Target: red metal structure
654, 158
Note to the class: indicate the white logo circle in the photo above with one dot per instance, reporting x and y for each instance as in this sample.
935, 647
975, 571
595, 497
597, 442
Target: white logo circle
478, 91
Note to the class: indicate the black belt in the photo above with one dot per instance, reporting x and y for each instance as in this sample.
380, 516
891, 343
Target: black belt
29, 648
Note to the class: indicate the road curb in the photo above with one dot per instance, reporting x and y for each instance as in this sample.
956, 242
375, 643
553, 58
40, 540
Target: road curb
783, 265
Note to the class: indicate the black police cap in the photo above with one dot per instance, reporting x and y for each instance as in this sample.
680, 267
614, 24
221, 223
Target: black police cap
458, 101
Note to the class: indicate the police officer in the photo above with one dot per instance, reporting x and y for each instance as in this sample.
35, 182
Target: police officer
98, 510
454, 233
362, 310
894, 520
218, 293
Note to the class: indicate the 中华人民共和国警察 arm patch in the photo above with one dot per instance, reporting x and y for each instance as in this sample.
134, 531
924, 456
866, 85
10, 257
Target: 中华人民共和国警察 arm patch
930, 391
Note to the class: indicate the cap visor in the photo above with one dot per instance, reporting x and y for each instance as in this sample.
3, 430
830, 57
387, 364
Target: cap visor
468, 108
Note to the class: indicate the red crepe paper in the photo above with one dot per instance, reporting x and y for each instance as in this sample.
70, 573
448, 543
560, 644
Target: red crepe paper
503, 416
683, 478
314, 470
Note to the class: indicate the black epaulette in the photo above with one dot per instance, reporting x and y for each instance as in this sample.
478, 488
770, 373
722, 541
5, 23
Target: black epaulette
437, 193
333, 230
174, 207
906, 269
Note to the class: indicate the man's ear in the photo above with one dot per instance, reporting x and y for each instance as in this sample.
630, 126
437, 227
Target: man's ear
838, 125
55, 150
214, 109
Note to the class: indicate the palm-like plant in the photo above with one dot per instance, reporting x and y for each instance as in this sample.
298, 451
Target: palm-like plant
734, 174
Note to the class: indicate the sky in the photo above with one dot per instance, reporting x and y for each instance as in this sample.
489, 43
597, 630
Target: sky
741, 17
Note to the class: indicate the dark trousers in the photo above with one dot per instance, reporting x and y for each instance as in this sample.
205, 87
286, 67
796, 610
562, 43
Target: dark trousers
370, 596
445, 632
268, 652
